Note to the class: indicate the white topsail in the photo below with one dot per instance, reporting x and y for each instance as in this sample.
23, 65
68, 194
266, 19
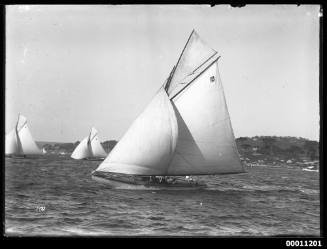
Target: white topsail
186, 129
89, 147
20, 141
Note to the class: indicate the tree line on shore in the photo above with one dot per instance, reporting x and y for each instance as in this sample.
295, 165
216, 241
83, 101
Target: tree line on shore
258, 147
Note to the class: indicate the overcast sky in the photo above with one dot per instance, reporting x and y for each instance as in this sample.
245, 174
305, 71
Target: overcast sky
72, 67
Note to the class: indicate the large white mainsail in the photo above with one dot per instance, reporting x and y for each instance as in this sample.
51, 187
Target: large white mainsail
186, 129
89, 147
206, 144
20, 141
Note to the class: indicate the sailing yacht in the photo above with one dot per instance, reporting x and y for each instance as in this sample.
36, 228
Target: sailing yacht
90, 148
19, 141
184, 131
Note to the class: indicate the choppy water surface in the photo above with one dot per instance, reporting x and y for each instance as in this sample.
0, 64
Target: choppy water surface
56, 196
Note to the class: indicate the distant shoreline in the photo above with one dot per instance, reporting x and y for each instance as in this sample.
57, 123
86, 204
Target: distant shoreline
272, 151
300, 138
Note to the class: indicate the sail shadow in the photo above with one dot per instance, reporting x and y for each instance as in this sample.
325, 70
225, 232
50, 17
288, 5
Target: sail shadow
185, 139
19, 143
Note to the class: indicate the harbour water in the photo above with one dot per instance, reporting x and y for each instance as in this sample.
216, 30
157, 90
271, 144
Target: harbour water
55, 196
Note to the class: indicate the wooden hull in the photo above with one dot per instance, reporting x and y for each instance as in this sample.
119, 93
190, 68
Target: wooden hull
90, 159
93, 159
127, 182
14, 156
23, 156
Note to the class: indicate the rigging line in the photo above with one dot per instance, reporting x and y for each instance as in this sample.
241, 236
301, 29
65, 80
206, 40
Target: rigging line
194, 78
204, 62
91, 138
193, 31
194, 71
21, 127
94, 135
18, 123
185, 47
168, 81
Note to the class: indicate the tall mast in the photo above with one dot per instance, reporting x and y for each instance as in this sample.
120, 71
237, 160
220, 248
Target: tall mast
179, 58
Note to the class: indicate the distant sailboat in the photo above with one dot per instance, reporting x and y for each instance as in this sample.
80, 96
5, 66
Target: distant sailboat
185, 130
90, 147
19, 141
311, 168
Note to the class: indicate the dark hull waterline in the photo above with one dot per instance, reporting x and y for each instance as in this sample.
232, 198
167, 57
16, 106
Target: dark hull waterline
129, 182
94, 159
91, 159
23, 156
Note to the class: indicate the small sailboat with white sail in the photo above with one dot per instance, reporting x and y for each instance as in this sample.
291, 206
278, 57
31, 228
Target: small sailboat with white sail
311, 169
184, 131
89, 148
19, 141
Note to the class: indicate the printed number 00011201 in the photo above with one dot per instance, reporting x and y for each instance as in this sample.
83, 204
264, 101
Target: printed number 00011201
305, 243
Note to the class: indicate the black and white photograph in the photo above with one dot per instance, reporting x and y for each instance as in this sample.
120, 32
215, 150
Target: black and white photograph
162, 121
